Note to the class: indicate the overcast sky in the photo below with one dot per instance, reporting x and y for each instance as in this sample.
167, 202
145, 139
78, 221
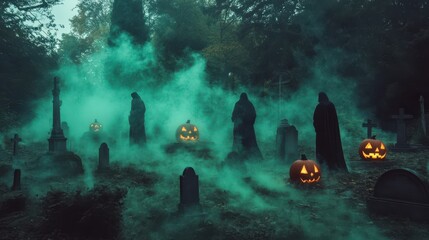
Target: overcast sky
63, 13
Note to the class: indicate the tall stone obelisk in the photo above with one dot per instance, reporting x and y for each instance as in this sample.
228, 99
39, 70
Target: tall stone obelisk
57, 141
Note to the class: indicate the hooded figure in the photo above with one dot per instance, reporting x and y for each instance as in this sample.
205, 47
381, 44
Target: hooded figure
136, 120
329, 150
244, 116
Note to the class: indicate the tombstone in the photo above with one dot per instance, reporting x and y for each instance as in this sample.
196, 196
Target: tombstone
369, 125
16, 180
103, 157
189, 191
57, 141
401, 133
66, 128
287, 142
402, 193
16, 139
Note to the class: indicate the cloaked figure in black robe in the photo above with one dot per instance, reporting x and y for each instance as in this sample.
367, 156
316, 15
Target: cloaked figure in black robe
244, 116
329, 150
136, 120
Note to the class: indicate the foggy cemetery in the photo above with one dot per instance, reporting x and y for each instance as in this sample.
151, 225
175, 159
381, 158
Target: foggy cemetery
167, 121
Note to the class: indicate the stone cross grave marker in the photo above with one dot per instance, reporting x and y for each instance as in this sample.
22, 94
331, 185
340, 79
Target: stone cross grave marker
16, 180
103, 157
369, 125
400, 192
287, 141
401, 134
189, 191
16, 139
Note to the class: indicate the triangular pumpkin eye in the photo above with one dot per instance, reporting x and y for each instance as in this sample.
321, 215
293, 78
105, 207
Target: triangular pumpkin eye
316, 170
304, 170
368, 146
183, 129
382, 147
195, 129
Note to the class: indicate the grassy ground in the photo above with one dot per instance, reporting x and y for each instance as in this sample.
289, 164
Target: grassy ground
138, 200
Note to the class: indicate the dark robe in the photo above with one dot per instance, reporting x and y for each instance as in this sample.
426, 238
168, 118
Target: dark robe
244, 116
136, 120
329, 150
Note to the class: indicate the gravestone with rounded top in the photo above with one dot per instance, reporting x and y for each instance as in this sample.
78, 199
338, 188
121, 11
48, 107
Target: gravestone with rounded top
189, 191
401, 192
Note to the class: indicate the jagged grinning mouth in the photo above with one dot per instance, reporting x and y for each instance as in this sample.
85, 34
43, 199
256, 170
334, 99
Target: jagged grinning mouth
310, 180
187, 138
374, 155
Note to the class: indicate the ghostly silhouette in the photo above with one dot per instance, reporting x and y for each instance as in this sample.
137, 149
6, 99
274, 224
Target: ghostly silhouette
329, 150
244, 116
136, 120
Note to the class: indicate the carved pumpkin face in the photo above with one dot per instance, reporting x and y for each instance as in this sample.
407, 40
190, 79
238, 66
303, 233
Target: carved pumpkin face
372, 149
95, 126
305, 171
187, 133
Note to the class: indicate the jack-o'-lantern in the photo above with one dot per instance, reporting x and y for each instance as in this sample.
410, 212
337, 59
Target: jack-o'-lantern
187, 133
95, 126
372, 149
305, 171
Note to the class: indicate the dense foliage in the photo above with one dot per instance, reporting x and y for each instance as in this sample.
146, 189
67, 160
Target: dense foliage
381, 46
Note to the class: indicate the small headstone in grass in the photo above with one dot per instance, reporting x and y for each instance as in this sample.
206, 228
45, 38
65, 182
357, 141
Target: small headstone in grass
402, 193
287, 142
189, 191
103, 157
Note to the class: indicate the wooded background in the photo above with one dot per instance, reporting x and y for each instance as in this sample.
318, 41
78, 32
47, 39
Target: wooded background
382, 46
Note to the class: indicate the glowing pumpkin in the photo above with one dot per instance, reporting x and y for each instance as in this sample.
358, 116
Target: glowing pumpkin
187, 133
372, 149
95, 126
305, 171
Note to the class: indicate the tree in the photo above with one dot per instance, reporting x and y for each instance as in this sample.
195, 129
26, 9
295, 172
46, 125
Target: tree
26, 57
127, 17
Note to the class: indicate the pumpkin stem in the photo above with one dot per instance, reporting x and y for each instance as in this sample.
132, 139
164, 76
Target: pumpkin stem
303, 157
189, 121
373, 137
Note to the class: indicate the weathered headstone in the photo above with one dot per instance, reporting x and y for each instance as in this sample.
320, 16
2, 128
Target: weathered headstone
422, 114
400, 192
103, 157
16, 139
57, 141
16, 180
369, 125
401, 132
189, 191
287, 141
66, 128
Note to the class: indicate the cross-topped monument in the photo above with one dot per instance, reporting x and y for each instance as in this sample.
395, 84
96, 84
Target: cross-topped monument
401, 135
57, 141
16, 139
369, 125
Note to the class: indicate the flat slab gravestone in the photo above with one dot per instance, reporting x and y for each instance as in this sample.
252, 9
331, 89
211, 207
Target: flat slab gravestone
189, 191
287, 142
103, 157
402, 193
